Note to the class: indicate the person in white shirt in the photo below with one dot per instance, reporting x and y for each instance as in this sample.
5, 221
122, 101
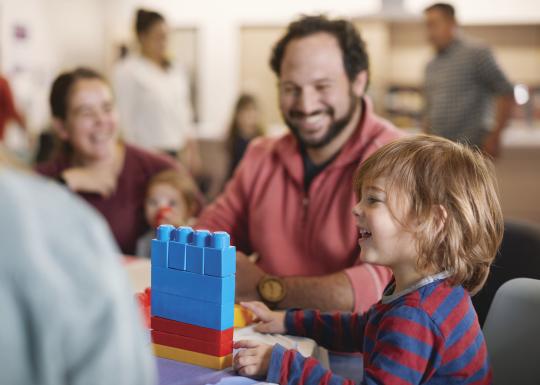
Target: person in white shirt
153, 95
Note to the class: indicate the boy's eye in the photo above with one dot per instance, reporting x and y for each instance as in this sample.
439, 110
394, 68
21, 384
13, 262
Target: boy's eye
372, 200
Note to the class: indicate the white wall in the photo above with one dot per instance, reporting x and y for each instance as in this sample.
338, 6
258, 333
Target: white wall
60, 34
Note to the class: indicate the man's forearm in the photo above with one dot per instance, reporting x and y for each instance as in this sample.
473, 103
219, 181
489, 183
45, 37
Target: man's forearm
504, 105
328, 292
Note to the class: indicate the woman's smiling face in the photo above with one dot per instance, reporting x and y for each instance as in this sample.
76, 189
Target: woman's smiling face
91, 120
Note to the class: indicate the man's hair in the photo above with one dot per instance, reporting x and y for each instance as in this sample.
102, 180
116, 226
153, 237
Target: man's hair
181, 182
445, 8
62, 85
353, 48
423, 173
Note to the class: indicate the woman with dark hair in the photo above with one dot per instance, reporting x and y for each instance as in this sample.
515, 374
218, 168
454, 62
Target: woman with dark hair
93, 162
245, 125
153, 95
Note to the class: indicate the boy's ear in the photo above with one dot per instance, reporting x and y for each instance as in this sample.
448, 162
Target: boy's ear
440, 215
59, 128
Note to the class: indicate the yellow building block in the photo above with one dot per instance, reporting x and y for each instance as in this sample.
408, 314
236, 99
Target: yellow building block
242, 316
193, 358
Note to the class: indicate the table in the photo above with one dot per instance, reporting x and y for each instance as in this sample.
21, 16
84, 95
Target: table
177, 373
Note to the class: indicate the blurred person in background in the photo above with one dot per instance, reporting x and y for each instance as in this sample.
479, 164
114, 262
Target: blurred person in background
8, 111
170, 199
460, 84
153, 95
93, 162
68, 313
245, 126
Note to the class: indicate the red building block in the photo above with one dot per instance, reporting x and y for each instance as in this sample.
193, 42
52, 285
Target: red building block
191, 344
214, 336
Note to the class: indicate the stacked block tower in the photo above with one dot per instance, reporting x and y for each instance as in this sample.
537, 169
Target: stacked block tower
192, 309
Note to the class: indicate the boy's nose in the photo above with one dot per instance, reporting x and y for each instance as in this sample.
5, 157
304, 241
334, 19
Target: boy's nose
357, 210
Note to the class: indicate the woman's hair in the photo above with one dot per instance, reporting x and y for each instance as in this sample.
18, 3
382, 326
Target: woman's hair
424, 173
183, 183
62, 86
145, 19
243, 101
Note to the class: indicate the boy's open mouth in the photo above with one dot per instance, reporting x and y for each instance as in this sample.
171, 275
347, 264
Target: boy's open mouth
364, 234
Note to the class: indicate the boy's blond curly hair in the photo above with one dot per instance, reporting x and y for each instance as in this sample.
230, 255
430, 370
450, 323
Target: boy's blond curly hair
424, 173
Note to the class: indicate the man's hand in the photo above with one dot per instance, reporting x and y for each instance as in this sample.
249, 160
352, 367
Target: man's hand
492, 144
254, 358
99, 180
269, 321
248, 276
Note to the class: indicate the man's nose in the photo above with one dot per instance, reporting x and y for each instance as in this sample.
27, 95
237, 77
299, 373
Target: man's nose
308, 101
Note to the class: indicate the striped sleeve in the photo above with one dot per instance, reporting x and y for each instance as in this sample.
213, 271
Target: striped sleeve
290, 367
406, 349
336, 331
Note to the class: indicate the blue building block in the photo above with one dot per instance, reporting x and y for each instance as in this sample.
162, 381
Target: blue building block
180, 237
192, 311
192, 285
195, 251
160, 245
220, 257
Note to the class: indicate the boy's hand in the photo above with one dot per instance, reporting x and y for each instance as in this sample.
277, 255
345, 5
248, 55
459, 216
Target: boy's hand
269, 321
253, 360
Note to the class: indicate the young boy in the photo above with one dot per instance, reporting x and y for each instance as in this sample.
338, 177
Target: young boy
428, 209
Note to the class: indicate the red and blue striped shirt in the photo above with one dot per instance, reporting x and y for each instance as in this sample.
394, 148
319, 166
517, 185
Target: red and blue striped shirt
427, 335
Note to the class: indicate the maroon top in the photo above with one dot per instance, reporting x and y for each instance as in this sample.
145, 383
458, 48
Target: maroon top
124, 209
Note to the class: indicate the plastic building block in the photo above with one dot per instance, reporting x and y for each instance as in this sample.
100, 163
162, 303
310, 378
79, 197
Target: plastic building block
143, 300
180, 237
192, 285
193, 331
160, 245
242, 316
220, 257
195, 251
193, 358
193, 311
191, 344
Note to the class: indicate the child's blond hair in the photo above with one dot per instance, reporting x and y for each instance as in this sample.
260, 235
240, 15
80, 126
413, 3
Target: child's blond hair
425, 172
183, 183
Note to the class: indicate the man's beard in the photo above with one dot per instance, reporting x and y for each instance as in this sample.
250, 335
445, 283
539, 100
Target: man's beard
336, 126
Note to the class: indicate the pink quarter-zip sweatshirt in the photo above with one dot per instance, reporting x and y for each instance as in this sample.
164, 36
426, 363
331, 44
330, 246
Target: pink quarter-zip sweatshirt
266, 209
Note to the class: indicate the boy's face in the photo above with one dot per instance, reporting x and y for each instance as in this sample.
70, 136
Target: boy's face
382, 239
165, 205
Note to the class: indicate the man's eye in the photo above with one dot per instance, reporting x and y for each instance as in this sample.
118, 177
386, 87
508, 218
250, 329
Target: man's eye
322, 87
290, 90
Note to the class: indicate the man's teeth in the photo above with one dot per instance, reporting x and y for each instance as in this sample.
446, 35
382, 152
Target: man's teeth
314, 119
